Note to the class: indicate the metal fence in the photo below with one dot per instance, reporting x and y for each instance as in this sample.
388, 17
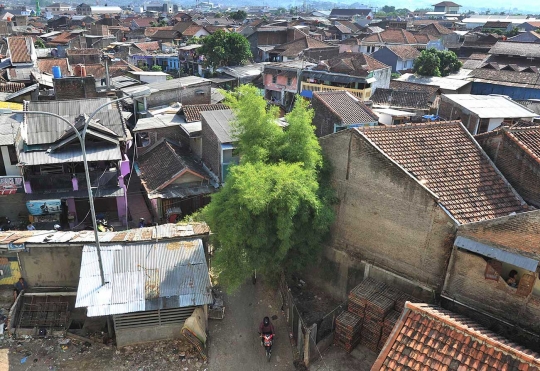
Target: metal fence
327, 324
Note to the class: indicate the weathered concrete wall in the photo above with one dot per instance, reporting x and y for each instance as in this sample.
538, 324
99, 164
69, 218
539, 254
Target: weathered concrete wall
211, 150
467, 284
192, 94
324, 119
146, 334
521, 170
384, 216
449, 111
51, 265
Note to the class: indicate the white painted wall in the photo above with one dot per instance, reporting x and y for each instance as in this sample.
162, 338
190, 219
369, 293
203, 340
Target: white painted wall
10, 169
493, 123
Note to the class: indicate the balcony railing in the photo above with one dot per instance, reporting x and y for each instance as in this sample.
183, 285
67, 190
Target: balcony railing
362, 94
44, 182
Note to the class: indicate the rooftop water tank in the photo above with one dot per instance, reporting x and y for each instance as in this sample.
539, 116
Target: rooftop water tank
57, 72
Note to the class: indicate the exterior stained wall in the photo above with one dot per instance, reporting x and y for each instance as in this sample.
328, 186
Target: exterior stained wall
467, 284
211, 149
383, 77
522, 171
324, 119
186, 95
384, 216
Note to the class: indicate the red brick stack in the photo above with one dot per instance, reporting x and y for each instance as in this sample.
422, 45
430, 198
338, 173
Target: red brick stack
376, 310
347, 335
388, 324
400, 302
361, 294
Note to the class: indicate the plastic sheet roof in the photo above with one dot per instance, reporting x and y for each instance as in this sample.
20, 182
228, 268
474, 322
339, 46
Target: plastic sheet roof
145, 276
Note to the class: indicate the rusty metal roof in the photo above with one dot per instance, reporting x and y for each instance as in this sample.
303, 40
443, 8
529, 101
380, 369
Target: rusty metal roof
164, 231
144, 276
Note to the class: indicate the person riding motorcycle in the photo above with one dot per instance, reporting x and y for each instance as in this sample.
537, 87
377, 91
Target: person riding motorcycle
266, 327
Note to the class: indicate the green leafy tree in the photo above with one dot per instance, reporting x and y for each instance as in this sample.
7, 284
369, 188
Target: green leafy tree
433, 62
274, 210
194, 40
281, 10
156, 67
225, 49
513, 32
39, 44
388, 9
239, 15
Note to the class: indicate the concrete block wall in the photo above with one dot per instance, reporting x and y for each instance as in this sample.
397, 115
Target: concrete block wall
129, 336
517, 166
449, 111
467, 284
211, 155
173, 133
384, 216
68, 88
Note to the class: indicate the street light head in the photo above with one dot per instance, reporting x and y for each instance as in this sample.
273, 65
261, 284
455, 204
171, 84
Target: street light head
5, 111
143, 93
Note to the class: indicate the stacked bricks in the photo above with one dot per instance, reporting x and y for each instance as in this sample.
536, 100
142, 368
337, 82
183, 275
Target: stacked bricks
388, 324
347, 335
376, 310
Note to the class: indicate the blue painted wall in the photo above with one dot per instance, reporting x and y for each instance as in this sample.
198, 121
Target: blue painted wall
514, 92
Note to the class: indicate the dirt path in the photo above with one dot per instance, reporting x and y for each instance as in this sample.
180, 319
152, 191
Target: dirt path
234, 342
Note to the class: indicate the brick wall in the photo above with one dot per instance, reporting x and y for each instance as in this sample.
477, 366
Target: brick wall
210, 149
186, 95
68, 88
467, 284
384, 216
324, 118
449, 111
517, 166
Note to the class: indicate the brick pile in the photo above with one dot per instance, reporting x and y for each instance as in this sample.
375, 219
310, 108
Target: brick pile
372, 312
388, 325
348, 326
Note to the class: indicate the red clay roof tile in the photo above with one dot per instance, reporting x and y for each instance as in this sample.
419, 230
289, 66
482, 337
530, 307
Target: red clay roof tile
470, 190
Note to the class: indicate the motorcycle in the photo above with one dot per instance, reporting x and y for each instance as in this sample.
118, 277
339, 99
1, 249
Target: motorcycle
103, 226
5, 224
268, 341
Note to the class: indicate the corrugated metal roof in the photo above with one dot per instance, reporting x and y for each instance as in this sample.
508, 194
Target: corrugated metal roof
495, 253
83, 193
489, 106
44, 129
220, 122
164, 231
167, 85
28, 89
159, 122
9, 125
137, 276
96, 152
181, 191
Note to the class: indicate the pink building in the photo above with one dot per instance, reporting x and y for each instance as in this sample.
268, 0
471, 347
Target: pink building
281, 81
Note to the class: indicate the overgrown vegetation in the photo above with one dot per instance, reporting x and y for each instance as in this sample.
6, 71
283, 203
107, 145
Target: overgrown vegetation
433, 62
275, 208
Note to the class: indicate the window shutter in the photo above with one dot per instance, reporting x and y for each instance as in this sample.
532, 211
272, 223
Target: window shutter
526, 284
493, 270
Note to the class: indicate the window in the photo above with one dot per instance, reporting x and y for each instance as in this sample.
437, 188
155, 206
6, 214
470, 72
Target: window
13, 155
274, 79
483, 126
289, 81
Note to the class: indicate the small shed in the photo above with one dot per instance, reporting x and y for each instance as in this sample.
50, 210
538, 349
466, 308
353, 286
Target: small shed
150, 288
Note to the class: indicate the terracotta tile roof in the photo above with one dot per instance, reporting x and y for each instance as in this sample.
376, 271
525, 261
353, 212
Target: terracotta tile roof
342, 28
64, 38
144, 22
165, 34
148, 46
354, 64
402, 98
446, 3
391, 36
412, 86
351, 25
45, 65
404, 52
212, 28
347, 107
164, 162
429, 338
182, 26
435, 29
193, 112
528, 138
19, 49
295, 47
424, 38
150, 31
449, 162
496, 24
192, 30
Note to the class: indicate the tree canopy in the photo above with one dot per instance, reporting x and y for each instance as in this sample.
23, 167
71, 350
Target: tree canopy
239, 15
433, 62
225, 49
274, 210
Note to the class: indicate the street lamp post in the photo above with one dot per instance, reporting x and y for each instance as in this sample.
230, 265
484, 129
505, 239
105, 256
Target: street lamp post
82, 137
